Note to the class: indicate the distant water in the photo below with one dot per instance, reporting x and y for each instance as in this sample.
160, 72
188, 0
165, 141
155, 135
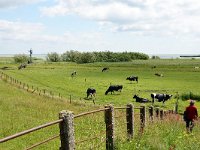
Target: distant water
162, 56
166, 56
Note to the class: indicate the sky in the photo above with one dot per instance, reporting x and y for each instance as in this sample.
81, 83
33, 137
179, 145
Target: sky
146, 26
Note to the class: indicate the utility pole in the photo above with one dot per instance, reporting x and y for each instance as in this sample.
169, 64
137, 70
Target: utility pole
31, 52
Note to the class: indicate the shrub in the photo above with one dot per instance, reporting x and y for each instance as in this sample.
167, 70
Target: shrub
70, 56
53, 57
21, 58
190, 95
155, 57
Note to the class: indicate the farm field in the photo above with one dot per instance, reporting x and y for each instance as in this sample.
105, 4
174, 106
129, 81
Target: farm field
179, 77
21, 110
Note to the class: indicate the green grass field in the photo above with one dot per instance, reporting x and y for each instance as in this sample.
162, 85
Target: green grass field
22, 110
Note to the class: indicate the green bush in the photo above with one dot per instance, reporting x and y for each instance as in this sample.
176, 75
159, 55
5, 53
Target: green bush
155, 57
107, 56
53, 57
190, 95
21, 58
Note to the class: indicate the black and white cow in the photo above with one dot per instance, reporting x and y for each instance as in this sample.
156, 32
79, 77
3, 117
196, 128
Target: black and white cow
104, 69
140, 100
91, 91
113, 88
22, 66
132, 78
160, 97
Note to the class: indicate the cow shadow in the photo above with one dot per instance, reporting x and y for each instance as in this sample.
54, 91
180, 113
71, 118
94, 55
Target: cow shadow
90, 99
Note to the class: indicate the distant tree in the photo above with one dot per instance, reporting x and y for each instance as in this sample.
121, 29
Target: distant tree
155, 57
53, 57
21, 58
70, 56
86, 57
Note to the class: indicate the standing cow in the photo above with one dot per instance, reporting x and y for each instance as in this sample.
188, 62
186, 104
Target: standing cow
113, 88
91, 92
132, 78
160, 97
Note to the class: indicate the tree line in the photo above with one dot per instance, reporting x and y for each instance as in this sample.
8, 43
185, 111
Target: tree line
90, 57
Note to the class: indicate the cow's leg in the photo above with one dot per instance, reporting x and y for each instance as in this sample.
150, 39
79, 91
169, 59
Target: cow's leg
153, 100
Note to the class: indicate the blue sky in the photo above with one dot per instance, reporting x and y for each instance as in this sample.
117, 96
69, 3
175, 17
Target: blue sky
147, 26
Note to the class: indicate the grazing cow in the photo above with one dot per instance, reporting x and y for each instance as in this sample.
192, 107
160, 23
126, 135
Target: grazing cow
91, 91
4, 68
113, 88
73, 74
159, 74
160, 97
140, 100
153, 67
132, 78
104, 69
196, 67
22, 66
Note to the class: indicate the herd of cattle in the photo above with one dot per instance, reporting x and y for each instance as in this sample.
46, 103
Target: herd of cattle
159, 97
91, 91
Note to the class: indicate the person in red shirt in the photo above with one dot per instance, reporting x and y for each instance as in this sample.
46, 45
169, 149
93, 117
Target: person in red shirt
191, 114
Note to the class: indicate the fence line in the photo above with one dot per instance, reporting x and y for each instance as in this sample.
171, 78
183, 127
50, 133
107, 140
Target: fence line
90, 112
28, 88
43, 142
66, 125
30, 130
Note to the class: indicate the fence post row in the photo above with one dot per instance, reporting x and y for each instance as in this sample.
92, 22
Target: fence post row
130, 120
67, 130
109, 121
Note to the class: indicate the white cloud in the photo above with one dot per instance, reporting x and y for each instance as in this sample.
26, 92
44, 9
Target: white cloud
146, 17
24, 33
16, 3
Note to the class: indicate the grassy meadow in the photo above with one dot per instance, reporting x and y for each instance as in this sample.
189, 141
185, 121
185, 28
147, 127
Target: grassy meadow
21, 110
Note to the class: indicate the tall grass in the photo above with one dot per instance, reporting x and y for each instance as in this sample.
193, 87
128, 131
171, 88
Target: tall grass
190, 95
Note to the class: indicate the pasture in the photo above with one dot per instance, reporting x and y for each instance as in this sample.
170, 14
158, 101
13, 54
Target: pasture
179, 77
21, 110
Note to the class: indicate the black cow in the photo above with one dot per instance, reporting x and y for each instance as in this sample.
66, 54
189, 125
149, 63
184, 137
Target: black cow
159, 74
160, 97
140, 100
73, 74
132, 78
91, 91
22, 66
113, 88
104, 69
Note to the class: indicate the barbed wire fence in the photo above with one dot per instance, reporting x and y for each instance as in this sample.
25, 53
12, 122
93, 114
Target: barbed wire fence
71, 98
92, 130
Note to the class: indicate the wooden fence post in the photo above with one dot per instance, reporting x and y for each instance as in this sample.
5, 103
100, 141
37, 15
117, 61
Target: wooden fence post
151, 113
142, 117
67, 130
161, 114
130, 120
109, 121
157, 112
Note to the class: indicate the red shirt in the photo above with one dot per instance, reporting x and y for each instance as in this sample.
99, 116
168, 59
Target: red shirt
191, 112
